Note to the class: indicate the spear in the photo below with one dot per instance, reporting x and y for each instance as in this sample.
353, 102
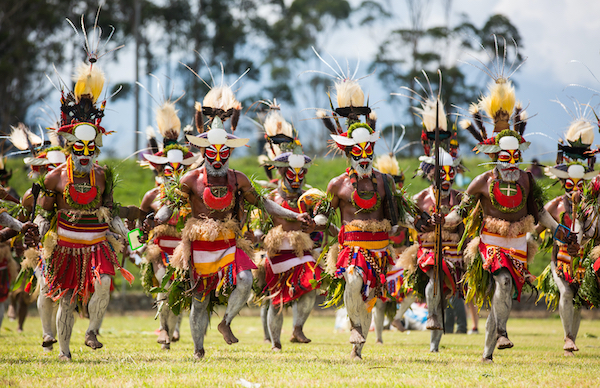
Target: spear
438, 280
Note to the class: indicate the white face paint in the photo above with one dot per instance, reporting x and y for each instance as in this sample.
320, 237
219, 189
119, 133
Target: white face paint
508, 172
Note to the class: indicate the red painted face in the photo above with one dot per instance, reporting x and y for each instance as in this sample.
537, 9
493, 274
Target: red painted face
295, 176
217, 155
362, 151
509, 156
172, 168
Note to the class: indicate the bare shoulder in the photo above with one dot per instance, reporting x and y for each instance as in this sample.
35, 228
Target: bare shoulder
480, 184
53, 177
553, 204
189, 177
335, 184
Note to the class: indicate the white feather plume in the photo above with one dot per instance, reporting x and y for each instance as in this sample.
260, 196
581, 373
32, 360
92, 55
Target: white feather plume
169, 125
19, 137
428, 115
221, 97
349, 93
580, 129
275, 124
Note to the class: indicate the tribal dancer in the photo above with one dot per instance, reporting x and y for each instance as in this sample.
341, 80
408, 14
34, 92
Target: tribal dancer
80, 252
213, 253
46, 156
396, 291
368, 208
172, 161
508, 203
291, 272
425, 256
566, 271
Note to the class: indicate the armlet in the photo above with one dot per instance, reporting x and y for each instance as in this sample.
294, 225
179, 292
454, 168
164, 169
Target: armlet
467, 204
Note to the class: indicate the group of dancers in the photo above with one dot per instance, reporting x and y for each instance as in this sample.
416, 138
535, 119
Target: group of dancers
212, 236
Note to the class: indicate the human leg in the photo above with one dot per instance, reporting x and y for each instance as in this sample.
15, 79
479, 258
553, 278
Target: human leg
378, 317
566, 310
264, 311
461, 314
275, 323
302, 309
502, 302
357, 313
97, 308
45, 307
433, 295
64, 325
237, 300
199, 319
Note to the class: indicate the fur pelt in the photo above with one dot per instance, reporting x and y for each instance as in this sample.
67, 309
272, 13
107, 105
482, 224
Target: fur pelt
259, 274
153, 255
50, 242
532, 248
510, 229
372, 225
31, 258
206, 229
165, 230
299, 240
472, 250
116, 243
446, 236
408, 259
332, 256
595, 253
103, 214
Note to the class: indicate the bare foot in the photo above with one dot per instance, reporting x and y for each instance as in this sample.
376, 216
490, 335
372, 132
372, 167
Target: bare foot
48, 349
486, 360
276, 347
397, 323
433, 323
298, 336
570, 345
199, 355
569, 353
379, 342
225, 330
163, 337
64, 357
92, 341
504, 343
355, 355
48, 340
175, 336
165, 346
356, 336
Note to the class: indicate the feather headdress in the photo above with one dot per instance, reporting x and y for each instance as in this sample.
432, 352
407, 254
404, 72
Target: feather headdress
350, 99
501, 107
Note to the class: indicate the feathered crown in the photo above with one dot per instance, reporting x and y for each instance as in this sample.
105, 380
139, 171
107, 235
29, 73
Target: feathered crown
575, 149
43, 153
80, 112
351, 105
502, 109
169, 126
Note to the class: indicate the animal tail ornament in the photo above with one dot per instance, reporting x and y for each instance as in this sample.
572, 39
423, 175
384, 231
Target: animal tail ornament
219, 102
23, 139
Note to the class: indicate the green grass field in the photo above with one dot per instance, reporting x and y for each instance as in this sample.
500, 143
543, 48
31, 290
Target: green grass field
132, 358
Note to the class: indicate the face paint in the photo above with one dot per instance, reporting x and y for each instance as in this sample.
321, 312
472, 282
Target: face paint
509, 156
573, 184
361, 158
447, 174
217, 155
172, 168
295, 177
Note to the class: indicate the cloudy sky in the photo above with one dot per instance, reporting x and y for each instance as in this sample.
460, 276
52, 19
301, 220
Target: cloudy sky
554, 33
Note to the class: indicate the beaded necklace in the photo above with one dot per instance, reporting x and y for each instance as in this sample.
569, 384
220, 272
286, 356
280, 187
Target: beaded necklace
367, 201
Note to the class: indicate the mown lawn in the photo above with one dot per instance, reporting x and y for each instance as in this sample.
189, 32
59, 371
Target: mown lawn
132, 358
